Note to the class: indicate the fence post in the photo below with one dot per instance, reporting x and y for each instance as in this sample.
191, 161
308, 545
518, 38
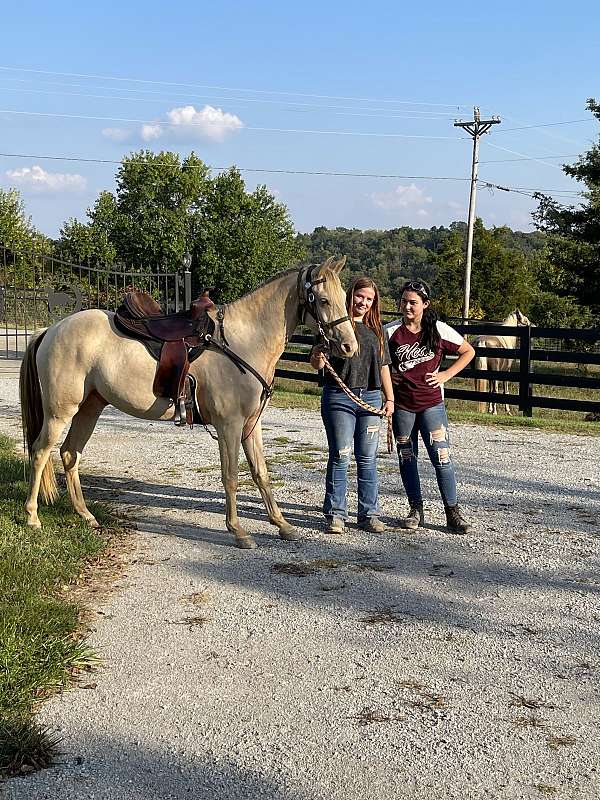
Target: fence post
525, 371
187, 288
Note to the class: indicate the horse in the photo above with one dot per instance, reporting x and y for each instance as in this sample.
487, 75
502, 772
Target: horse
75, 368
497, 363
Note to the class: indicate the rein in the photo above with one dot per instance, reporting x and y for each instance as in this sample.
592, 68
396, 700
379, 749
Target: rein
365, 406
308, 305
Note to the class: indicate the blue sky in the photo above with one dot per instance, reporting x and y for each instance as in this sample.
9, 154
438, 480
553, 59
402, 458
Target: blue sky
311, 87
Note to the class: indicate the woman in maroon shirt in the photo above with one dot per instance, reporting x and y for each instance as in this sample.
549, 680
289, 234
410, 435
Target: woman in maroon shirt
418, 342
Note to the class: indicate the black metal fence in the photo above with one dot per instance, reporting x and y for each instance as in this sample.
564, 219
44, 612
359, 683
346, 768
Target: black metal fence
37, 289
578, 347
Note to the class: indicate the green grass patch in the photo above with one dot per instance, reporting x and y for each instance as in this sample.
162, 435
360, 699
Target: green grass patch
286, 399
458, 411
40, 649
578, 427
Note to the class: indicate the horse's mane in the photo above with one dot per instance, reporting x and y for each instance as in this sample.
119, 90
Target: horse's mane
328, 273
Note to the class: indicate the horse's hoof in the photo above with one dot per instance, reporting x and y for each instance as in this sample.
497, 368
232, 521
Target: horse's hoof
245, 542
288, 533
35, 524
92, 522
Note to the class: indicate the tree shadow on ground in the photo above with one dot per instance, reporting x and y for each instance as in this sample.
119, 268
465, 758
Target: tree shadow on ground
110, 769
428, 577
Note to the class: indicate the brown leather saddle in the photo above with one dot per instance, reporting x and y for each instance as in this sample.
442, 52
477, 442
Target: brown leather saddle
174, 340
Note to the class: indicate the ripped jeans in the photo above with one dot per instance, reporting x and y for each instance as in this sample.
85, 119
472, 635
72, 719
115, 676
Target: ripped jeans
350, 428
432, 424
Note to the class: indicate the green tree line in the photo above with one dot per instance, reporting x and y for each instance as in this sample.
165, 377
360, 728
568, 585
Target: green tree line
164, 207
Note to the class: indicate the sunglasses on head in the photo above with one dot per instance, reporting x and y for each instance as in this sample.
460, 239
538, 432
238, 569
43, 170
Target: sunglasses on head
416, 286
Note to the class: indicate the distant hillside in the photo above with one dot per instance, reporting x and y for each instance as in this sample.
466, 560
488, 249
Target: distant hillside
392, 256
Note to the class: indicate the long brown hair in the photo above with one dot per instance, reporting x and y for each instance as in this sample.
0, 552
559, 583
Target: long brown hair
372, 319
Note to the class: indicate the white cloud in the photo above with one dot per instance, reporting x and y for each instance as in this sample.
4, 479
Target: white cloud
188, 124
116, 134
401, 197
454, 205
184, 124
38, 180
149, 132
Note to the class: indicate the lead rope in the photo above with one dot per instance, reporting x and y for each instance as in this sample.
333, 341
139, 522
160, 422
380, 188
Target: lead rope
371, 409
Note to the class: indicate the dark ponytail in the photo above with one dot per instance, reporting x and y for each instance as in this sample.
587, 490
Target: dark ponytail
430, 336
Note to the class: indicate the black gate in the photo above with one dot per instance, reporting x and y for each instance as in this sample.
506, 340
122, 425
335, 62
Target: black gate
37, 289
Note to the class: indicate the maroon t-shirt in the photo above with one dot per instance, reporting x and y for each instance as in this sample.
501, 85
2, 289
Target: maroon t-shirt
412, 361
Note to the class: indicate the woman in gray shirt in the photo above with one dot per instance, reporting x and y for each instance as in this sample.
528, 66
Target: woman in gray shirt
348, 426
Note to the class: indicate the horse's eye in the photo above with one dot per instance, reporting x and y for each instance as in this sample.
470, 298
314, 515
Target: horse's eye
324, 301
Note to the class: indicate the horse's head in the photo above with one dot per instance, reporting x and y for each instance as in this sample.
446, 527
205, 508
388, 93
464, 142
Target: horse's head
522, 319
323, 305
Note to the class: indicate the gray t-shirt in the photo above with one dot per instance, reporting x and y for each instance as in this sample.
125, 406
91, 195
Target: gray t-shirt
363, 370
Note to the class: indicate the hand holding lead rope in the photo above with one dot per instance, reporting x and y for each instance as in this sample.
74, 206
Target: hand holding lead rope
380, 412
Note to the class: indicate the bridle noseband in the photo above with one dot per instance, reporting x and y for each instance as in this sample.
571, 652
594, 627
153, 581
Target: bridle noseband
308, 302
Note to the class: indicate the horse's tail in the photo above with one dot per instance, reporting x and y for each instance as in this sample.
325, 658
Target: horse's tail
32, 414
481, 384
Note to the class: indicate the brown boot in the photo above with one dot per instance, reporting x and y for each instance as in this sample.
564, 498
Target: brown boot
335, 525
415, 518
456, 522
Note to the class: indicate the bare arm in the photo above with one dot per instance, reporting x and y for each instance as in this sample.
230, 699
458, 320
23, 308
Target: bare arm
388, 391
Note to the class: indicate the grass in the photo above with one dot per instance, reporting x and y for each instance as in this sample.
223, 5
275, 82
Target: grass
41, 649
291, 395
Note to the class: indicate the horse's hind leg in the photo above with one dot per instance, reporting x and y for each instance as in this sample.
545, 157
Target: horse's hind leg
229, 450
505, 390
494, 390
41, 450
82, 427
253, 448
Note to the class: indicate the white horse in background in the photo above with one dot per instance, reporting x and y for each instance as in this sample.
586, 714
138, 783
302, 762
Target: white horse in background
497, 363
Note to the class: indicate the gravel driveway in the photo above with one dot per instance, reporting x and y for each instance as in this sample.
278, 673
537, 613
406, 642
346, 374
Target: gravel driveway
409, 665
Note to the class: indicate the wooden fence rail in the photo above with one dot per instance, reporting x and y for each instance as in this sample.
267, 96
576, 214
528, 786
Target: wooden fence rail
524, 376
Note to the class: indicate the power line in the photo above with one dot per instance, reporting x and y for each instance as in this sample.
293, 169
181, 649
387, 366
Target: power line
524, 189
443, 115
516, 153
247, 169
527, 158
331, 173
546, 125
228, 88
229, 125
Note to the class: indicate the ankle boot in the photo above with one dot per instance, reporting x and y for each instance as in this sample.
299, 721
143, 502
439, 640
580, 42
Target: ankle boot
455, 520
415, 517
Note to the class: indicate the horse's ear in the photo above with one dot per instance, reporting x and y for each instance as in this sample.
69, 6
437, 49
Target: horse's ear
519, 315
328, 263
339, 265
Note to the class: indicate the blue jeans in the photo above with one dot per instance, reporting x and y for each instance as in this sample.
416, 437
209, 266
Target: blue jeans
432, 424
350, 428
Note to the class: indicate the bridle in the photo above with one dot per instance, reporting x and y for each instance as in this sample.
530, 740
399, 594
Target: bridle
308, 301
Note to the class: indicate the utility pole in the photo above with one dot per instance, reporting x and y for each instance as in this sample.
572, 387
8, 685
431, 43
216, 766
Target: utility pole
476, 128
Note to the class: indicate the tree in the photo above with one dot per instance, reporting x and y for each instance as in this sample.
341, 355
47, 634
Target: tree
574, 242
164, 207
16, 228
500, 276
240, 239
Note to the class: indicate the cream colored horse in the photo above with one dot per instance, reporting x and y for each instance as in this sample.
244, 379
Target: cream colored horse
77, 367
497, 363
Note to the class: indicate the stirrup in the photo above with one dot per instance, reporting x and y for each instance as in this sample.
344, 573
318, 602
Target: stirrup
180, 418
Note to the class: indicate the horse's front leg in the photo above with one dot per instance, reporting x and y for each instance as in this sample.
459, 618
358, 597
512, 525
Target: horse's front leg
253, 448
506, 406
229, 449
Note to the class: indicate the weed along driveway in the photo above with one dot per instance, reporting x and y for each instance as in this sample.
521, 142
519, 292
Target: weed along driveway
409, 664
